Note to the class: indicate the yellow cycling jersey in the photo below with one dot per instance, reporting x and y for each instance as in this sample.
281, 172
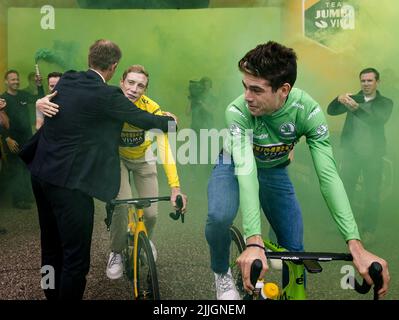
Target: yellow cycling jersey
135, 141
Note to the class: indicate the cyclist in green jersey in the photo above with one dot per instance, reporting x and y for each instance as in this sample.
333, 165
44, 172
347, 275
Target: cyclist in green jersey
265, 123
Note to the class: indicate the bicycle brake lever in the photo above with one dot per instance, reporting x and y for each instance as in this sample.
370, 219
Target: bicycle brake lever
178, 214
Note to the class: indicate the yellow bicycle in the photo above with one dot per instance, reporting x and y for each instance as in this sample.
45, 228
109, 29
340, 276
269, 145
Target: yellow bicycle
139, 263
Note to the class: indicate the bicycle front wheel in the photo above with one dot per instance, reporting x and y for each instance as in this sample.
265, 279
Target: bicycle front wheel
237, 246
147, 278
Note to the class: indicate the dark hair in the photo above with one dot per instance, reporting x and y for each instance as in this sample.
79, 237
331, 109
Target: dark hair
54, 74
272, 62
136, 68
370, 70
103, 54
9, 72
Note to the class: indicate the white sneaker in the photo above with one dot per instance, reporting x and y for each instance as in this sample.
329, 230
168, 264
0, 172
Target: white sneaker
114, 266
225, 287
154, 251
276, 264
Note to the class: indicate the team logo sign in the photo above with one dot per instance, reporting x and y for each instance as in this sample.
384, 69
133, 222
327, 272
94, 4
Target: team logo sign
326, 18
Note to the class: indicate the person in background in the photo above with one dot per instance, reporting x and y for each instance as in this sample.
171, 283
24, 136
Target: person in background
363, 143
4, 123
52, 80
18, 133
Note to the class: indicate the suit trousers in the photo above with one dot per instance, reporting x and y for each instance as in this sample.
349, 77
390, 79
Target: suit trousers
66, 227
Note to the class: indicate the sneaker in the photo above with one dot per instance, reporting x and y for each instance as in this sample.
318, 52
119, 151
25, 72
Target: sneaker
3, 231
114, 266
276, 264
154, 251
225, 287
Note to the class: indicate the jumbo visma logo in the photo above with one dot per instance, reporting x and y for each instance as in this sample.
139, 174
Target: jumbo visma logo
132, 138
272, 152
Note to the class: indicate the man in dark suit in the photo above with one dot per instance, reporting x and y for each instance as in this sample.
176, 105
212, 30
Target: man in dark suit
77, 159
363, 143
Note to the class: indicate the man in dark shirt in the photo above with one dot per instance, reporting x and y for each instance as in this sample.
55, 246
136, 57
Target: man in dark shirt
364, 143
19, 132
3, 124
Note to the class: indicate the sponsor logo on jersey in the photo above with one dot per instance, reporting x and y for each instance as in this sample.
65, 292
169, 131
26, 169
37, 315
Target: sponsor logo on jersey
132, 138
298, 105
314, 112
236, 110
322, 131
234, 130
261, 136
287, 131
272, 152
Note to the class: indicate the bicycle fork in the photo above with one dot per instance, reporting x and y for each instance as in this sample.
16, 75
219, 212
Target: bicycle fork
138, 228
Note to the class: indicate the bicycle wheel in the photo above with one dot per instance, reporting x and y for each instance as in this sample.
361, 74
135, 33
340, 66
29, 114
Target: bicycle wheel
237, 246
147, 278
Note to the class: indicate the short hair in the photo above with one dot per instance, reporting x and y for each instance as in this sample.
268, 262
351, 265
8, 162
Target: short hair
9, 72
136, 68
272, 62
370, 70
54, 74
103, 54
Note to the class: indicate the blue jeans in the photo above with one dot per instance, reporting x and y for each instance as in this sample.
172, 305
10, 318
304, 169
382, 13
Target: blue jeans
278, 201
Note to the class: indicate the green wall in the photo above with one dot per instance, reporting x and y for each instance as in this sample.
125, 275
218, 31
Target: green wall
174, 45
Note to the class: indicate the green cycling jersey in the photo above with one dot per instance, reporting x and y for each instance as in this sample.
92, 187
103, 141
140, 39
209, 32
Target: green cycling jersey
266, 142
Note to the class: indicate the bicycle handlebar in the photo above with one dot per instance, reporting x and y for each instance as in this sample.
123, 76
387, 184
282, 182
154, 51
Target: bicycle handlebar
375, 272
141, 203
179, 204
375, 269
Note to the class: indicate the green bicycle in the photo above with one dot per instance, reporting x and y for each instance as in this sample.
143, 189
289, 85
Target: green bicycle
297, 263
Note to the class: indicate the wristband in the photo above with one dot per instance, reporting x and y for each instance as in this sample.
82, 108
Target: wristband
255, 245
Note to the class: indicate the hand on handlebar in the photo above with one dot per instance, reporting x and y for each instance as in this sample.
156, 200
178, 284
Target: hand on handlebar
247, 257
174, 193
363, 259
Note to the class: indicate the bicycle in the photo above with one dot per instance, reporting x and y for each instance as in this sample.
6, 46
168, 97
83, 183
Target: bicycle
296, 262
139, 263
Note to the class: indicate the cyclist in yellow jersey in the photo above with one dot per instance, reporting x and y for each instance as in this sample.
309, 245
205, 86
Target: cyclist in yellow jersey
136, 156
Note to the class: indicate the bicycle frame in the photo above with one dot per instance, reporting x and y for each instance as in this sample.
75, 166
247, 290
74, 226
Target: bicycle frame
136, 229
295, 289
136, 225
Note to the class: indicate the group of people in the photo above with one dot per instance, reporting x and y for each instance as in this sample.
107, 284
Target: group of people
94, 134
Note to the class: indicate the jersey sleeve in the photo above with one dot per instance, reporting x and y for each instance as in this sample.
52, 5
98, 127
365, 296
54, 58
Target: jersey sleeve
238, 143
331, 186
165, 153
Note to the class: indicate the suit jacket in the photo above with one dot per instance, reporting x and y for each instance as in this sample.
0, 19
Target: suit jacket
364, 129
78, 148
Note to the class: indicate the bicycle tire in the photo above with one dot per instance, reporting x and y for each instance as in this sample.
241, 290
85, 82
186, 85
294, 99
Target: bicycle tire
147, 277
237, 246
